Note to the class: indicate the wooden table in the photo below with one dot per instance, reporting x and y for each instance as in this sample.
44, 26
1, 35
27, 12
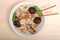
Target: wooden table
50, 30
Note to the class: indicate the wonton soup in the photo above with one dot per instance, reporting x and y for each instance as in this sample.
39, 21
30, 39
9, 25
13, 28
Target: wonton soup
27, 19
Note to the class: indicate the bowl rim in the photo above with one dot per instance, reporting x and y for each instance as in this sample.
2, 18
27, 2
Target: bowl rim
11, 24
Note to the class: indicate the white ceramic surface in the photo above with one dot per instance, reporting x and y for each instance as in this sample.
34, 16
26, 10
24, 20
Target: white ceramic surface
11, 23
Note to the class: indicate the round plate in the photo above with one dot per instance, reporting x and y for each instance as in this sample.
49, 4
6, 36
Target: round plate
11, 23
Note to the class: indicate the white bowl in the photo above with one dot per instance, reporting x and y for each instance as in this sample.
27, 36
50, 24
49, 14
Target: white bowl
11, 23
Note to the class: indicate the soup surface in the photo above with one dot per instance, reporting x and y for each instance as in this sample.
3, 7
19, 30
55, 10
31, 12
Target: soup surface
27, 18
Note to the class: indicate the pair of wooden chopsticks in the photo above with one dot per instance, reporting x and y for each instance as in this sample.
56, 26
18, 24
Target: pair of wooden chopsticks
26, 16
49, 8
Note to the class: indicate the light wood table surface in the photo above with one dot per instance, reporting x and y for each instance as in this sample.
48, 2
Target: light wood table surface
50, 30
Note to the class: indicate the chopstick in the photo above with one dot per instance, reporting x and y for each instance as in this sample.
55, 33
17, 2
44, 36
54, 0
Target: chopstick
25, 17
50, 14
48, 7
